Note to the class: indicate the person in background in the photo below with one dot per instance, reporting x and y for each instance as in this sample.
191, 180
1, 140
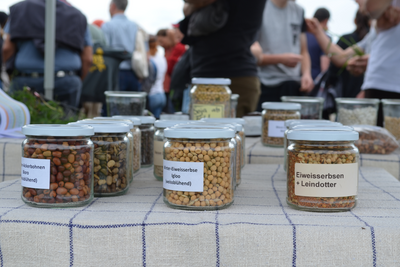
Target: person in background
25, 40
157, 97
319, 61
3, 20
120, 33
97, 34
282, 53
225, 51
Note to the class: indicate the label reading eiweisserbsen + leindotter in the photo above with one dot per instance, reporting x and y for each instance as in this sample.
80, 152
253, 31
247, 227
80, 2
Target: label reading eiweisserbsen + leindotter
183, 176
35, 173
323, 180
276, 128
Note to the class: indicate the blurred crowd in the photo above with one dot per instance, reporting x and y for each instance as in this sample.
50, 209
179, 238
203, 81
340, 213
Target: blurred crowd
267, 48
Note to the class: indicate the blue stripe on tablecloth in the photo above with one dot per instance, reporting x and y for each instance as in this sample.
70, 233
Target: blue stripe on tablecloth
144, 229
287, 217
251, 149
13, 183
383, 190
5, 213
71, 240
217, 238
372, 238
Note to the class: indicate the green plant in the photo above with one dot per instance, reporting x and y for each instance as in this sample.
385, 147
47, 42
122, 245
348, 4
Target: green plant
42, 111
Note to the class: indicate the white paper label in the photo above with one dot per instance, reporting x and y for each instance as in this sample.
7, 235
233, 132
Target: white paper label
158, 153
276, 128
35, 173
323, 180
183, 176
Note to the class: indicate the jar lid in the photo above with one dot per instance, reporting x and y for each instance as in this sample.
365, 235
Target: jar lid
390, 101
105, 127
333, 125
348, 100
57, 130
170, 117
325, 127
302, 99
216, 81
281, 106
113, 120
162, 124
203, 124
125, 94
110, 121
225, 120
235, 97
323, 135
199, 133
143, 119
288, 123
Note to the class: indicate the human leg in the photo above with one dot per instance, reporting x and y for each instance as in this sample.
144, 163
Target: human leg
128, 81
248, 89
68, 89
157, 103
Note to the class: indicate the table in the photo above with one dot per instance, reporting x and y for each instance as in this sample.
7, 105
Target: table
10, 159
256, 153
259, 229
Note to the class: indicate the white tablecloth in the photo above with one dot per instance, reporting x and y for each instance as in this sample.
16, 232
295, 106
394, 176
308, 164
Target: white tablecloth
259, 229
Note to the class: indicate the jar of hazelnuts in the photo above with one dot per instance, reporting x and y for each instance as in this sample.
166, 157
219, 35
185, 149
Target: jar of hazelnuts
57, 165
198, 168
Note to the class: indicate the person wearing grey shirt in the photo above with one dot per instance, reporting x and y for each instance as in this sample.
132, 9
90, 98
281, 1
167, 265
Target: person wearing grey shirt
282, 53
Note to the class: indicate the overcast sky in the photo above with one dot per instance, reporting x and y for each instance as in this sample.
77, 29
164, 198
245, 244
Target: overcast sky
153, 15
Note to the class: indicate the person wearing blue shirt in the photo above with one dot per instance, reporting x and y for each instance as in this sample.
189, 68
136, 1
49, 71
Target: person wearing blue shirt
120, 33
29, 57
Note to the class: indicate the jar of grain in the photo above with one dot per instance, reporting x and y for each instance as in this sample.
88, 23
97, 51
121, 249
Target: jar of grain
198, 168
391, 115
274, 116
311, 107
357, 111
322, 170
57, 168
210, 98
125, 103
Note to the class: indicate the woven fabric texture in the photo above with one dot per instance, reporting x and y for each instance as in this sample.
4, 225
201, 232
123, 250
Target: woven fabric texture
259, 229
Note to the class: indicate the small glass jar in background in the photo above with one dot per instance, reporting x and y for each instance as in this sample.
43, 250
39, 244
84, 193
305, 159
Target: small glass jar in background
357, 111
174, 117
234, 103
311, 107
147, 138
57, 169
322, 170
391, 116
125, 103
159, 126
210, 98
205, 179
274, 116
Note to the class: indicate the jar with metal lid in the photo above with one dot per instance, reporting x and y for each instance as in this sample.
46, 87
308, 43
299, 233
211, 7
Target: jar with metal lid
274, 116
311, 107
210, 98
234, 103
198, 168
159, 126
147, 138
360, 111
125, 103
241, 132
391, 116
111, 159
174, 117
322, 170
57, 168
292, 124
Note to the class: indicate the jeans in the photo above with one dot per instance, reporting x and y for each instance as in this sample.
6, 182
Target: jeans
128, 81
275, 92
67, 89
157, 103
186, 101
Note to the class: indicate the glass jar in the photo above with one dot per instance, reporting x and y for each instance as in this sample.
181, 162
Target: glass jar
234, 103
159, 126
311, 107
174, 117
360, 111
147, 138
391, 115
57, 168
198, 168
125, 103
210, 98
274, 116
241, 132
315, 182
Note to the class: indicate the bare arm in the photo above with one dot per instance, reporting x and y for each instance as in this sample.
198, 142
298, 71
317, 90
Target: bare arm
9, 48
290, 60
306, 79
324, 63
86, 58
